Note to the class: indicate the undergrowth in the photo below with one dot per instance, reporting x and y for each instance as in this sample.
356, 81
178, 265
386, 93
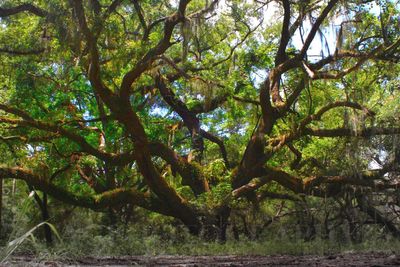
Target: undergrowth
84, 233
123, 241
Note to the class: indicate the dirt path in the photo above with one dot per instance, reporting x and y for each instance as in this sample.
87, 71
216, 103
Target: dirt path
347, 259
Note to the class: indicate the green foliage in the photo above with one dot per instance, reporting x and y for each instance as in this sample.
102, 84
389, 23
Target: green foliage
14, 244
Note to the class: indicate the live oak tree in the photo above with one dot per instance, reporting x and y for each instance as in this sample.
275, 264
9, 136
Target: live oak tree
185, 107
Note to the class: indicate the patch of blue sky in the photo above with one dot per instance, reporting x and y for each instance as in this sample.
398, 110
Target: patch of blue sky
160, 111
257, 76
222, 130
200, 97
86, 115
324, 43
382, 156
33, 149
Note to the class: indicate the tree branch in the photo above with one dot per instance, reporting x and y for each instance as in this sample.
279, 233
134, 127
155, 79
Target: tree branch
285, 34
315, 27
341, 132
140, 14
22, 52
192, 174
328, 107
58, 130
99, 202
220, 144
5, 12
152, 54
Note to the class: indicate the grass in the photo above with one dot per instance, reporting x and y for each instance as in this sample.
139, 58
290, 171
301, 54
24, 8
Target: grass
133, 244
13, 245
82, 237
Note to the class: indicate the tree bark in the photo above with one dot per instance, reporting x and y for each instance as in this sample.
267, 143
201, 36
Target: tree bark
46, 217
42, 203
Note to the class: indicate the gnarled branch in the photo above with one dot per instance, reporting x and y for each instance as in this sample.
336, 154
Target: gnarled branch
6, 12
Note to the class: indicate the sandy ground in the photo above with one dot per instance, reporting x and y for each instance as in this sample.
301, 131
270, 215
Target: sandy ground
347, 259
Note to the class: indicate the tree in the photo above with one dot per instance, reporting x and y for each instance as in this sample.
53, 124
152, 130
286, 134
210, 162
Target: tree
184, 108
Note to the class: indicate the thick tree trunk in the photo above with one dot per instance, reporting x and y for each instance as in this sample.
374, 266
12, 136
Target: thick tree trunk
42, 203
326, 229
223, 220
306, 222
235, 231
214, 227
45, 218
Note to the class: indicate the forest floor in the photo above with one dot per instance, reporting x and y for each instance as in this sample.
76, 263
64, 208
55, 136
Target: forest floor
345, 259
